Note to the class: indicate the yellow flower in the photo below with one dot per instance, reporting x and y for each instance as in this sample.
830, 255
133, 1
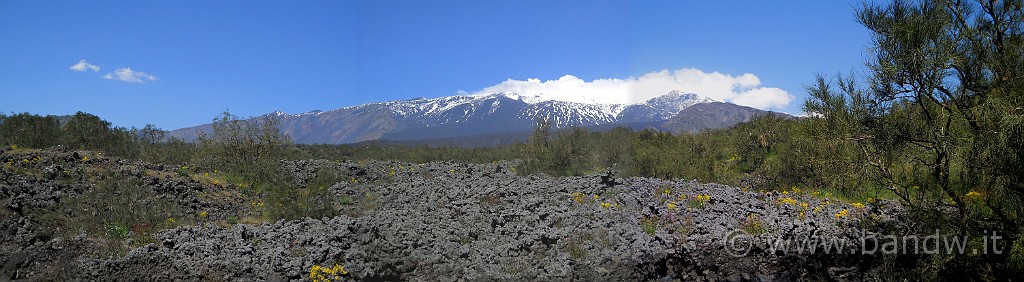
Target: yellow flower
803, 205
14, 147
842, 213
339, 269
606, 205
788, 201
672, 206
596, 196
206, 174
858, 205
667, 192
203, 214
973, 194
578, 197
85, 158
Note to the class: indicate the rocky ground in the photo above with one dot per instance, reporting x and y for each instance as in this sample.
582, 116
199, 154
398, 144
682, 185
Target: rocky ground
435, 221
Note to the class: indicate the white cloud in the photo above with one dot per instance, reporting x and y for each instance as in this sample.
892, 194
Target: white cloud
744, 90
128, 75
82, 65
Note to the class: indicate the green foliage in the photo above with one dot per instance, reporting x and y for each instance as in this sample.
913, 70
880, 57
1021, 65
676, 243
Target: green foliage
938, 123
29, 130
649, 225
402, 153
247, 147
754, 225
313, 199
183, 171
115, 208
116, 230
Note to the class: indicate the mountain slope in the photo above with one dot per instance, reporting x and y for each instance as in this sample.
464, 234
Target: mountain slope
456, 116
713, 115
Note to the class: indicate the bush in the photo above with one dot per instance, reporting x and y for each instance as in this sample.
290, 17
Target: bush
247, 147
314, 199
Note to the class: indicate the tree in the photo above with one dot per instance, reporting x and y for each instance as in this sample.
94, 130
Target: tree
29, 130
250, 147
86, 131
940, 121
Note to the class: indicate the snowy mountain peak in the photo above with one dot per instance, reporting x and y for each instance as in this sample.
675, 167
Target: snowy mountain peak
463, 115
672, 96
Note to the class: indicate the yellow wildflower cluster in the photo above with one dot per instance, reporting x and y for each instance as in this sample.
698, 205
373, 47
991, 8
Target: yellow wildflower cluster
32, 160
257, 204
203, 214
354, 181
843, 213
324, 274
858, 205
699, 201
14, 147
973, 195
804, 206
754, 225
667, 191
578, 197
788, 201
85, 158
672, 206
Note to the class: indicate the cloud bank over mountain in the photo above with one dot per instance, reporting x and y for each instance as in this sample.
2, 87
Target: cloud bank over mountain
743, 90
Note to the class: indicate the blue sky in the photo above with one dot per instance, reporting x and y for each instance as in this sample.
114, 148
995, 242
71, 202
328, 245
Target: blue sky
180, 63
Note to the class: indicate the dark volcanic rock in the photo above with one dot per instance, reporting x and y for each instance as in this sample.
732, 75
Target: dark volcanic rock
470, 222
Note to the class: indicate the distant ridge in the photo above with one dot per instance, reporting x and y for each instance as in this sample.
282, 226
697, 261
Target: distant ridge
491, 119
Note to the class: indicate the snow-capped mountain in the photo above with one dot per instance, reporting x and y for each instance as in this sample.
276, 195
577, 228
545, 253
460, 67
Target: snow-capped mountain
463, 115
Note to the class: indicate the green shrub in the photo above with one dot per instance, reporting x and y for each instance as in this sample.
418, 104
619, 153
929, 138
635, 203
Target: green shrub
313, 199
